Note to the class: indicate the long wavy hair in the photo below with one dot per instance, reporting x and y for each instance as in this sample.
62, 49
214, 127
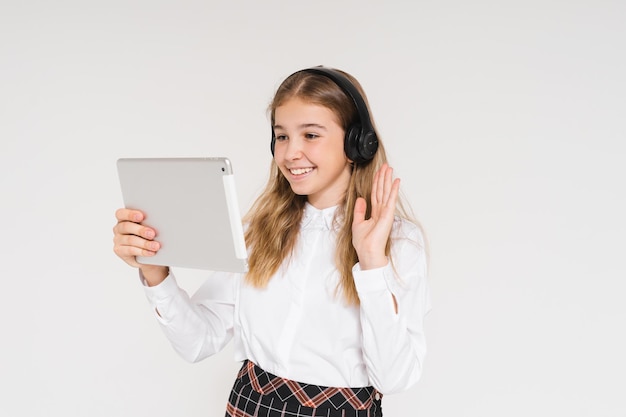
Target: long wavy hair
274, 218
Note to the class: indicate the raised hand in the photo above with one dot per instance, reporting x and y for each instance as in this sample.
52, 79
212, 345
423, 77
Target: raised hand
369, 237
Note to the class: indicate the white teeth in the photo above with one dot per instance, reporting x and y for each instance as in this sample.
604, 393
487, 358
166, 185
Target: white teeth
300, 171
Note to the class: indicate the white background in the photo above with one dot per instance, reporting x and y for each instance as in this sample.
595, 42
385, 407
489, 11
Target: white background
504, 119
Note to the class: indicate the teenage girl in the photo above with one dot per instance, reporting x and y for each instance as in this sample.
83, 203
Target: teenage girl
330, 315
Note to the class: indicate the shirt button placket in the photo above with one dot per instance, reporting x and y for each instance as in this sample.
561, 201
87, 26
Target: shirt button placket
309, 238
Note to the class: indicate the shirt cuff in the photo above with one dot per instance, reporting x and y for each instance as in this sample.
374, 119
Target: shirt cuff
370, 280
162, 291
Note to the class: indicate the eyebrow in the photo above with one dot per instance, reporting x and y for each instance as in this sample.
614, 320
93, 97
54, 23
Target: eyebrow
304, 126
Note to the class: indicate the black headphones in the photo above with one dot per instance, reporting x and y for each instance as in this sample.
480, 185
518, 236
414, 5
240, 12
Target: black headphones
360, 143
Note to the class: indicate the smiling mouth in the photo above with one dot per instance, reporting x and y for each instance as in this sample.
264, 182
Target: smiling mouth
300, 171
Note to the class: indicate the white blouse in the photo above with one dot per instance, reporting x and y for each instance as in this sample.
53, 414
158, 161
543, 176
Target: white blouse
299, 327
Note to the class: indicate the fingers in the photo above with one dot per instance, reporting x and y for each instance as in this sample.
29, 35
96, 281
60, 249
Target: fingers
131, 228
129, 253
384, 190
360, 206
131, 238
129, 215
131, 245
129, 222
381, 184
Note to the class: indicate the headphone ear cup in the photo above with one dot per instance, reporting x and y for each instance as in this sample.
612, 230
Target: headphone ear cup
360, 147
368, 145
351, 143
273, 142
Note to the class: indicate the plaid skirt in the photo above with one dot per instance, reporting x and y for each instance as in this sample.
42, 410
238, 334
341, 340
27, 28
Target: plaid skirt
257, 393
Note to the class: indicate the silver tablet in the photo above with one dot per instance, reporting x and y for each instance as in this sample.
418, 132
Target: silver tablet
192, 204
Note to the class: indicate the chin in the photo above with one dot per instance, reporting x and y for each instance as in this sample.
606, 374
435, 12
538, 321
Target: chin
299, 191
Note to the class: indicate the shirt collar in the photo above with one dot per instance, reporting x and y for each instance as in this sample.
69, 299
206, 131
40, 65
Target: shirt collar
315, 218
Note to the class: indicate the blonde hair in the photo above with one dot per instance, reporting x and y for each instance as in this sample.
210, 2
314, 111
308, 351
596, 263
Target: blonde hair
274, 218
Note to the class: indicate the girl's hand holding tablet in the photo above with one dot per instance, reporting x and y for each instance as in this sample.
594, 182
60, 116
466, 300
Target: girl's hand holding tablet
132, 239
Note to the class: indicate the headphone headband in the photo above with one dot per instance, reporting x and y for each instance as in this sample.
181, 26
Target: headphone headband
346, 85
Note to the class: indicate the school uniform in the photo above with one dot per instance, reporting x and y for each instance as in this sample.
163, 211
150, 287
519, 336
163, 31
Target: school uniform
304, 351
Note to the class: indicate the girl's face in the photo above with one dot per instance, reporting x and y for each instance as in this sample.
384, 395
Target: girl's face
309, 152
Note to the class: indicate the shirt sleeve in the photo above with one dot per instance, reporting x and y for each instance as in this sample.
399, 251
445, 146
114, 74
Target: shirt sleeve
394, 345
198, 326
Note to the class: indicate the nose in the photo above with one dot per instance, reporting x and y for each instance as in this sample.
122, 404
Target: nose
293, 149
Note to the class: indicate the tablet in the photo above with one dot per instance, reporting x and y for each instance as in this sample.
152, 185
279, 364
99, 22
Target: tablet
192, 204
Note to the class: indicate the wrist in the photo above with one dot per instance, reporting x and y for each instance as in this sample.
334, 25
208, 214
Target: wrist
373, 262
154, 274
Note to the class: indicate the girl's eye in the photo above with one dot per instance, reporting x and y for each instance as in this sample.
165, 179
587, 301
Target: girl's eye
281, 138
311, 135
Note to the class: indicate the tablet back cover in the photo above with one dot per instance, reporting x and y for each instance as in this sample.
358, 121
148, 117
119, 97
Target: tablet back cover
192, 205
